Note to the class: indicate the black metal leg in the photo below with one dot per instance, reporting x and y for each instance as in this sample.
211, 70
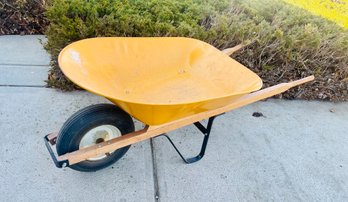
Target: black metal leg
206, 133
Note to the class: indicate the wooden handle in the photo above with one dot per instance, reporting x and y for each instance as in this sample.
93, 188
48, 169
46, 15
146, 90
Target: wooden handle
301, 81
230, 51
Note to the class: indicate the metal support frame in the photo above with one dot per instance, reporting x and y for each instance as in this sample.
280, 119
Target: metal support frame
50, 140
205, 131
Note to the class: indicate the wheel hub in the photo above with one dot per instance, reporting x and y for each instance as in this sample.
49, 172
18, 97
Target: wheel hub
97, 135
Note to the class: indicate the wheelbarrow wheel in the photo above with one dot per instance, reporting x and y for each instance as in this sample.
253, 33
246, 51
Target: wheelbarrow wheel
90, 126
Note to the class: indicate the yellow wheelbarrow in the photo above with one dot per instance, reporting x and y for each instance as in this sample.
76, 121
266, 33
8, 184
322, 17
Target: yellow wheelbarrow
166, 83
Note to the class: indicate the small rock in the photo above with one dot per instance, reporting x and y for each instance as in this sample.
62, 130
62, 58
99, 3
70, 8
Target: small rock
257, 114
332, 110
322, 96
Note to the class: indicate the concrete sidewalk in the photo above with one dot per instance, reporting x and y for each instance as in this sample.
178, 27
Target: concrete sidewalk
296, 152
23, 61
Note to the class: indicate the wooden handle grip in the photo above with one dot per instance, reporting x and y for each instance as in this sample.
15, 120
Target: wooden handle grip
301, 81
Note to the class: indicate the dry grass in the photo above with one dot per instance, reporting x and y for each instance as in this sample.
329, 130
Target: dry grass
22, 17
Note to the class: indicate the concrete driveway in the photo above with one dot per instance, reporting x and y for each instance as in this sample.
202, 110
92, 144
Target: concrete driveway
297, 151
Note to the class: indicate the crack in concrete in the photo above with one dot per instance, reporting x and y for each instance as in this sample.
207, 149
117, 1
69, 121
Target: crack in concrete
21, 86
4, 64
155, 174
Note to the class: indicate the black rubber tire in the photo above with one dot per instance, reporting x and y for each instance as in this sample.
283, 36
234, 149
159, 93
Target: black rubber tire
81, 122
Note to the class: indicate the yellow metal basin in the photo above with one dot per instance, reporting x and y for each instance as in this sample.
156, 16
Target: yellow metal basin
157, 79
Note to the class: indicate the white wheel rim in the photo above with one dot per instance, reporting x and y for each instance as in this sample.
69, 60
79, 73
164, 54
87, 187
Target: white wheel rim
99, 134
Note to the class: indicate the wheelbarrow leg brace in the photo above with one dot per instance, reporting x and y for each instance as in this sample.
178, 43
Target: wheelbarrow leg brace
50, 140
205, 131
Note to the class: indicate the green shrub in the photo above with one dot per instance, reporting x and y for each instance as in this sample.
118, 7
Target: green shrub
287, 43
292, 43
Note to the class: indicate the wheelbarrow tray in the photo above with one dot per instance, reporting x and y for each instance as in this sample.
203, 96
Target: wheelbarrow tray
158, 79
